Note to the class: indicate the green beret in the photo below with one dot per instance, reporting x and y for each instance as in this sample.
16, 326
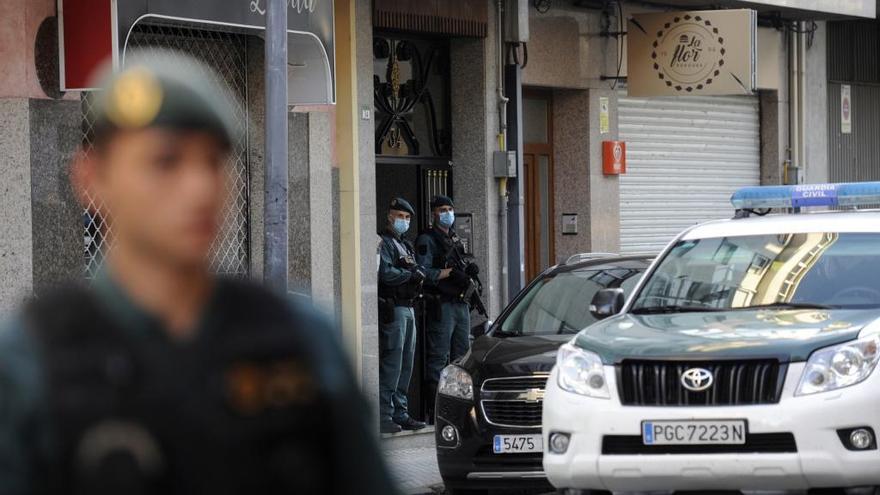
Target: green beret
161, 88
441, 200
401, 204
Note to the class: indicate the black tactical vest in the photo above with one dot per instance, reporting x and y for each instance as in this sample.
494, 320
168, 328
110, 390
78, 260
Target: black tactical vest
446, 257
404, 259
237, 410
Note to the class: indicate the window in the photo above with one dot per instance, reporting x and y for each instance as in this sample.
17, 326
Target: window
822, 268
560, 303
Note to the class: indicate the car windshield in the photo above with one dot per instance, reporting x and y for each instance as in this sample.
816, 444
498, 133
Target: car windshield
560, 303
809, 270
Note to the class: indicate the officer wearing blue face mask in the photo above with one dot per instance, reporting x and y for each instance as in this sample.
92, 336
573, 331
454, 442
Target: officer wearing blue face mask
400, 286
448, 290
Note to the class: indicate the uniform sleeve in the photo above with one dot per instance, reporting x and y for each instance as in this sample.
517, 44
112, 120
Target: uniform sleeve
388, 273
359, 465
425, 259
23, 409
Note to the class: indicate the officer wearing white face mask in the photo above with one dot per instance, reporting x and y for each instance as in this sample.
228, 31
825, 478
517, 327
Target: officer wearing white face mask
400, 286
448, 290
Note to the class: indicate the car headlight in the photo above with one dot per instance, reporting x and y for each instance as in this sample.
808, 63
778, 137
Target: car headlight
456, 382
840, 366
581, 372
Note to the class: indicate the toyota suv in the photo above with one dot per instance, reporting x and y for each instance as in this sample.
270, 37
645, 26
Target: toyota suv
744, 360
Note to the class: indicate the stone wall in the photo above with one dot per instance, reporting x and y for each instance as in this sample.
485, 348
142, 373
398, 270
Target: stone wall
324, 209
474, 136
817, 164
16, 242
55, 136
579, 183
28, 49
566, 49
367, 170
567, 53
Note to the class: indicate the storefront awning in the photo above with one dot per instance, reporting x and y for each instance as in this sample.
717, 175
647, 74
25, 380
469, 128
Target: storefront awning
789, 9
93, 31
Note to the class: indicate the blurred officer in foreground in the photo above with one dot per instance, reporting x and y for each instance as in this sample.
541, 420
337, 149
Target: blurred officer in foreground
400, 286
162, 378
449, 289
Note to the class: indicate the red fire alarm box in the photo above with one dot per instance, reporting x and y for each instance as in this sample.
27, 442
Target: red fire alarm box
613, 157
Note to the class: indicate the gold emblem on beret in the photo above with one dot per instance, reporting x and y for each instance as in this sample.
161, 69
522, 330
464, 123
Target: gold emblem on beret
135, 99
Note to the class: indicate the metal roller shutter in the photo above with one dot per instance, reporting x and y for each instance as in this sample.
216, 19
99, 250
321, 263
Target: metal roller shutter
685, 156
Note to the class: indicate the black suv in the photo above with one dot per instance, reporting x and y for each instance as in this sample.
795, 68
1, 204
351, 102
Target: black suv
488, 409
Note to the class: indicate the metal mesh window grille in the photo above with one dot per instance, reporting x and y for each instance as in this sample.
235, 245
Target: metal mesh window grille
226, 53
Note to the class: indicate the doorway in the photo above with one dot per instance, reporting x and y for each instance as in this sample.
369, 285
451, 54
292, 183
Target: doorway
538, 184
413, 146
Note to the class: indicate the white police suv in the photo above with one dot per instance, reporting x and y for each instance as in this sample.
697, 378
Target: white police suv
744, 359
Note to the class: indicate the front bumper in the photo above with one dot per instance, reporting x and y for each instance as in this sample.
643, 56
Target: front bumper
469, 461
820, 460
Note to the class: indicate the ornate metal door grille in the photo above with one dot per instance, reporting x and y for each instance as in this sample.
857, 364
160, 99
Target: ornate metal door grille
227, 54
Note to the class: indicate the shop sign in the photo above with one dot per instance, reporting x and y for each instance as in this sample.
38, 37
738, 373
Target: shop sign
855, 8
708, 52
93, 31
845, 109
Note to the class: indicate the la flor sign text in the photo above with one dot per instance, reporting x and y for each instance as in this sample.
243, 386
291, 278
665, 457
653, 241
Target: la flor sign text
299, 6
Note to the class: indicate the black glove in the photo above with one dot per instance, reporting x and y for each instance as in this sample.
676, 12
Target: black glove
472, 269
417, 277
458, 277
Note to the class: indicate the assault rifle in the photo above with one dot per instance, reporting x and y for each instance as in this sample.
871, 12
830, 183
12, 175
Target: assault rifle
474, 292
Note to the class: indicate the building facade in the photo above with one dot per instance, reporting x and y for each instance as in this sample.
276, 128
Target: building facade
427, 96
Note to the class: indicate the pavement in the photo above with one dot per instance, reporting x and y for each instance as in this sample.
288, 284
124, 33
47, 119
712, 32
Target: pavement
416, 470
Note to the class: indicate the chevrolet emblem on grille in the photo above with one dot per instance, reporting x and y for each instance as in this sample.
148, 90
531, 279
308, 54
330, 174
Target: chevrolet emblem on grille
534, 395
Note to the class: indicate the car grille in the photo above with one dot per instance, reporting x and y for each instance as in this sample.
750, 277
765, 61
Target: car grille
513, 402
756, 443
658, 383
510, 413
515, 384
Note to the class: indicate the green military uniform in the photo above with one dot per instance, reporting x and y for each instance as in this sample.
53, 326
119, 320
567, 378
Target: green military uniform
400, 286
340, 455
448, 322
96, 397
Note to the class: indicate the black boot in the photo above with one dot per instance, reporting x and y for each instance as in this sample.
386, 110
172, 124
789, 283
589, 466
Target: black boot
410, 424
386, 427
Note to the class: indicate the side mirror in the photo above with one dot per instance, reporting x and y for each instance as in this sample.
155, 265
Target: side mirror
607, 302
481, 329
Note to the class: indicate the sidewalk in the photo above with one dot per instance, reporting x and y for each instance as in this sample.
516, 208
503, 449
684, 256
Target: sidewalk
415, 470
413, 463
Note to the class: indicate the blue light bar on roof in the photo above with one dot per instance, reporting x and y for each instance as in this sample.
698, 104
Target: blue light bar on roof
842, 194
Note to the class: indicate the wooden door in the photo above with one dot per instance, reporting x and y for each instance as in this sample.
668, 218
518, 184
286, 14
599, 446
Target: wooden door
538, 183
